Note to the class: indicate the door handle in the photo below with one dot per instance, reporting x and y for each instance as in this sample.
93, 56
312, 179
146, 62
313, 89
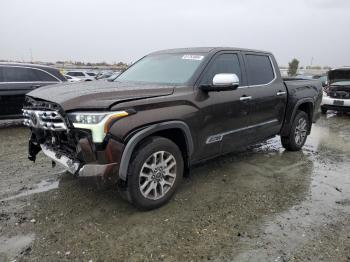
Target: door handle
245, 98
35, 86
281, 93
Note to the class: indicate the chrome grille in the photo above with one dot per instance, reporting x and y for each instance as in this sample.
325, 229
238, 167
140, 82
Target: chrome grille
44, 119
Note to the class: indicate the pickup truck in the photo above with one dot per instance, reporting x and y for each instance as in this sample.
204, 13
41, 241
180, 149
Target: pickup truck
336, 93
169, 111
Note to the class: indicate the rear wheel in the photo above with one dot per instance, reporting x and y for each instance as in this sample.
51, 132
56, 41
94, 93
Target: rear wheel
298, 133
323, 110
155, 171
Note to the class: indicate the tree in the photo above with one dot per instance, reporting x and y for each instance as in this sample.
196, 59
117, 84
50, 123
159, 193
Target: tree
293, 67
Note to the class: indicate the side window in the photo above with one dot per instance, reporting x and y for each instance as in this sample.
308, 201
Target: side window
1, 75
223, 63
19, 74
260, 70
45, 77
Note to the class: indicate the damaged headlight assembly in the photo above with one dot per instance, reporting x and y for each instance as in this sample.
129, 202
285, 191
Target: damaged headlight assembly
98, 122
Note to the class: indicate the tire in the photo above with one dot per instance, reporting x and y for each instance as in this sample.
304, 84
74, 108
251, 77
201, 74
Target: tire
155, 171
298, 133
323, 110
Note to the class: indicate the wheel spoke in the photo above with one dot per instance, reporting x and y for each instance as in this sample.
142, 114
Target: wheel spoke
145, 184
150, 188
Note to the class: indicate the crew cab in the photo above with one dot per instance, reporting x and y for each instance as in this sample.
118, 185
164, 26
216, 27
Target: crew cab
168, 111
336, 95
17, 79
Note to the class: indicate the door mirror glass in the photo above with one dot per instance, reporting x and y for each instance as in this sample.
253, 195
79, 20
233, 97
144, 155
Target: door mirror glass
230, 80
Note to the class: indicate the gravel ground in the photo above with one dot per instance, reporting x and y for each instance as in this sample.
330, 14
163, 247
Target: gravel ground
264, 204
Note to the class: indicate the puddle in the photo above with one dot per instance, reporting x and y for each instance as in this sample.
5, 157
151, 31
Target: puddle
11, 246
43, 186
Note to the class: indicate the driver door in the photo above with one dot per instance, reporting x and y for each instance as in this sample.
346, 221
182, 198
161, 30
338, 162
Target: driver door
224, 114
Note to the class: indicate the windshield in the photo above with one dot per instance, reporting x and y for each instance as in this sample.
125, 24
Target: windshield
175, 69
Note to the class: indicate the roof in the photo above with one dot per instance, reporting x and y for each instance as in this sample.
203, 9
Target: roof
26, 65
204, 50
341, 68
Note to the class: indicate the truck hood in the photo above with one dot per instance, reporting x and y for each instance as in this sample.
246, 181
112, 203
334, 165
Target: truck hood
97, 94
339, 75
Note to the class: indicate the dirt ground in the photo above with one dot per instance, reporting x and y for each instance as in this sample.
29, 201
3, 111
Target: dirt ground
264, 204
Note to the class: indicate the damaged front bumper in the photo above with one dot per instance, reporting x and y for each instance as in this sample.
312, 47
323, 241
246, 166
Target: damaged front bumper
104, 162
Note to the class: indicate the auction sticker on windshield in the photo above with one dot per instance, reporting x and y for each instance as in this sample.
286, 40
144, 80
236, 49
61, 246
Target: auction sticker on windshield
193, 57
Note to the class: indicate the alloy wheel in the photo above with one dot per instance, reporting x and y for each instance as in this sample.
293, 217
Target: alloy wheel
300, 131
157, 175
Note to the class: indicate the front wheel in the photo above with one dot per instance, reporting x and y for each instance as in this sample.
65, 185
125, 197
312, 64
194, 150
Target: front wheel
298, 133
155, 171
323, 110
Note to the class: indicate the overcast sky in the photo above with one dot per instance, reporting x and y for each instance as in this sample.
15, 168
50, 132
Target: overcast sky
107, 30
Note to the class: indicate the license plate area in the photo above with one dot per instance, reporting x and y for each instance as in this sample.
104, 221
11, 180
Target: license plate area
338, 102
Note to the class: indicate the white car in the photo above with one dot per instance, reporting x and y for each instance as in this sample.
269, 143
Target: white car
336, 94
83, 75
72, 79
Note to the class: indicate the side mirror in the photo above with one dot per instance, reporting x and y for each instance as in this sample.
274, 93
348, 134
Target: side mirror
223, 82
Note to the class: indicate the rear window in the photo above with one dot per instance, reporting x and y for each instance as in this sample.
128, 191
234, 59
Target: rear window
19, 74
91, 74
260, 70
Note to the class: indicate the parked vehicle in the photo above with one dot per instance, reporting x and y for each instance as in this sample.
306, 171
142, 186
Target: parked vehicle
336, 95
72, 79
114, 76
104, 75
18, 79
167, 112
83, 75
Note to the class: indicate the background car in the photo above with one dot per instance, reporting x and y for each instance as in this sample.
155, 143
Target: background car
18, 79
113, 76
83, 75
104, 74
72, 79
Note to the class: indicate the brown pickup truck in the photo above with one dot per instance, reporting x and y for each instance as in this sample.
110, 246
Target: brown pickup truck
170, 110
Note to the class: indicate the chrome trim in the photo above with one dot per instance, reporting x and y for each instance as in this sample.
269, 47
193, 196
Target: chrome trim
48, 120
219, 137
70, 165
245, 98
274, 73
281, 93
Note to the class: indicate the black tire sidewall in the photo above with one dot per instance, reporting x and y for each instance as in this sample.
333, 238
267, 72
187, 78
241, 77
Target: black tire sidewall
141, 154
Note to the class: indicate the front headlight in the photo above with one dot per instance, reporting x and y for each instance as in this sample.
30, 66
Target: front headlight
98, 122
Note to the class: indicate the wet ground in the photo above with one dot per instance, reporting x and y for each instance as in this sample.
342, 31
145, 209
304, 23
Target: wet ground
264, 204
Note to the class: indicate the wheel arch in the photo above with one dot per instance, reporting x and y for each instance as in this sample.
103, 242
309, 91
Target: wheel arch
170, 130
306, 105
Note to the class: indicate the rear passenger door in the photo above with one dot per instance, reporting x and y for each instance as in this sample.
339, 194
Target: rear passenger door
16, 82
269, 96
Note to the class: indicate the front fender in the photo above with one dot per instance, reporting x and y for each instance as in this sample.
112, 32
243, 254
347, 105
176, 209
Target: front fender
147, 131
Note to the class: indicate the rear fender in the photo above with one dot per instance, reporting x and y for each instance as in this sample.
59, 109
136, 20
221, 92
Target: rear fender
290, 115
